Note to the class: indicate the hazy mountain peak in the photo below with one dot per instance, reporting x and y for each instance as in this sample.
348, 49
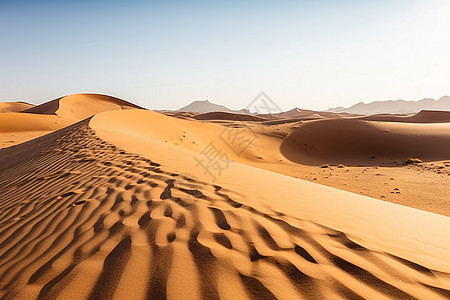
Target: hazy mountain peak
203, 106
202, 101
396, 106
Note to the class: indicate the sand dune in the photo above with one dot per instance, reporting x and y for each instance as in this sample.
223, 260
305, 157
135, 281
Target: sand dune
16, 128
7, 107
116, 206
306, 114
424, 116
34, 121
46, 108
227, 116
353, 141
81, 106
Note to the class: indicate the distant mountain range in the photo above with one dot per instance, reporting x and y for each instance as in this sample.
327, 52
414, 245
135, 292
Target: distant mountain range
376, 107
204, 106
395, 106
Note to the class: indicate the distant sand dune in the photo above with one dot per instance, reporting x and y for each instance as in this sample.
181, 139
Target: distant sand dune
353, 141
227, 116
424, 116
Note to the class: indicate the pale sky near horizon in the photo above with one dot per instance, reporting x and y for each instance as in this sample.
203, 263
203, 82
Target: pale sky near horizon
164, 55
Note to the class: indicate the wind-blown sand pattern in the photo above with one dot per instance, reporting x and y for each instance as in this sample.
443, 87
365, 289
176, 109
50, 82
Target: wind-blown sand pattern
82, 218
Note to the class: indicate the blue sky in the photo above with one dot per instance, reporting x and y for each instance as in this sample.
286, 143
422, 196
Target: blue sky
309, 54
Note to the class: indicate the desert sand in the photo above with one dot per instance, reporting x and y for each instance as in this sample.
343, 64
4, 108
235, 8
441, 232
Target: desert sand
101, 199
21, 122
14, 106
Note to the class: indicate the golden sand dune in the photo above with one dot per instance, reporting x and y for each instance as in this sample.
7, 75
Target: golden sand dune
351, 141
20, 122
16, 128
354, 141
117, 206
34, 121
81, 106
14, 106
